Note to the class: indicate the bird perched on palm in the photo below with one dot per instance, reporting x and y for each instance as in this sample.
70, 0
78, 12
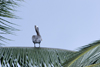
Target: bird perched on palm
36, 38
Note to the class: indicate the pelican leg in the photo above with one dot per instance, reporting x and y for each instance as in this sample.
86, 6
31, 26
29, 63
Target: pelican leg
34, 45
39, 44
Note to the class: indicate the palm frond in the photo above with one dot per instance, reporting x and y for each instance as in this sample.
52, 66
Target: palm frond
6, 11
94, 65
33, 57
88, 55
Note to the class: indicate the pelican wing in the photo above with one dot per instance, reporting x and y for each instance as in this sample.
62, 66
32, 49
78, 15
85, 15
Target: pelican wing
36, 39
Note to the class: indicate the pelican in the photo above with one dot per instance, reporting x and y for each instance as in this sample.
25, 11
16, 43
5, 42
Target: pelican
36, 38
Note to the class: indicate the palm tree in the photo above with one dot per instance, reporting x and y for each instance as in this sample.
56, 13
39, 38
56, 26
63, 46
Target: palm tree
33, 57
87, 56
6, 9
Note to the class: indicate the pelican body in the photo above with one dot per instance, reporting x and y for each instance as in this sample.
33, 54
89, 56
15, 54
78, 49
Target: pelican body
36, 38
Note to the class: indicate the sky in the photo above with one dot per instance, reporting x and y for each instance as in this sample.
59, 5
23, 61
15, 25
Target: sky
64, 24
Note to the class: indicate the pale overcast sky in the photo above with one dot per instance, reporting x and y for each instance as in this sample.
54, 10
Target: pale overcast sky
64, 24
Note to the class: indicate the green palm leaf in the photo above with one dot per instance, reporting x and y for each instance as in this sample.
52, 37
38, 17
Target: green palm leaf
94, 65
88, 55
33, 57
6, 11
